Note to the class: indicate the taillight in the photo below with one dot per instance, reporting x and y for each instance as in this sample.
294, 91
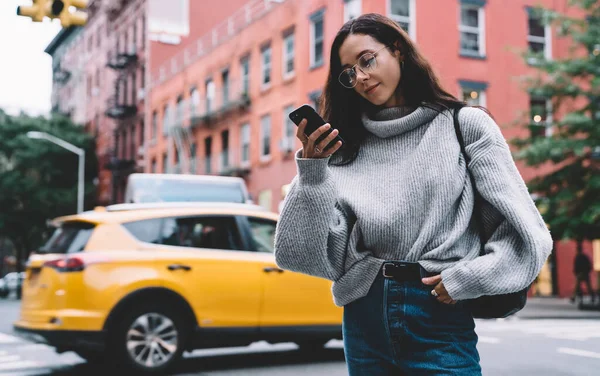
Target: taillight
70, 264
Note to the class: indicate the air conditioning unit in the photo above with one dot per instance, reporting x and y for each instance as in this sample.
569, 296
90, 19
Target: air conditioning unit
95, 91
286, 145
141, 94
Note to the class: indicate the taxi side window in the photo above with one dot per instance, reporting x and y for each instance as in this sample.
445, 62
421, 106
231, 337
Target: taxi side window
147, 230
263, 234
215, 232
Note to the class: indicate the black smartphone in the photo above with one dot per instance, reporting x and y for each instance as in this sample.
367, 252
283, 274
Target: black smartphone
314, 122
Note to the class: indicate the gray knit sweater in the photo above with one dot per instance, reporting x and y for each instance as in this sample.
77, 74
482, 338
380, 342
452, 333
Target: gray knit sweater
408, 197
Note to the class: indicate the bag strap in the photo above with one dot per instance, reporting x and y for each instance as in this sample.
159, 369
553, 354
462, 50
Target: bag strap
477, 197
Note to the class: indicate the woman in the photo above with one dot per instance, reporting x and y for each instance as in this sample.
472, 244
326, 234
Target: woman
388, 215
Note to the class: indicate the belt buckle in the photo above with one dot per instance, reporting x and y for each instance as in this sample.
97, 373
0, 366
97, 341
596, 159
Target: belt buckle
385, 269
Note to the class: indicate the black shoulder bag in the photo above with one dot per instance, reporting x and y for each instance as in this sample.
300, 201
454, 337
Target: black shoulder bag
487, 306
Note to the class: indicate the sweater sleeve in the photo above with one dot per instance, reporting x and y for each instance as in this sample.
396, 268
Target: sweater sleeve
520, 243
313, 229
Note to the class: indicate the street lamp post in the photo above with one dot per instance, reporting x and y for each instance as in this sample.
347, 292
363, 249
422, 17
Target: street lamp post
72, 148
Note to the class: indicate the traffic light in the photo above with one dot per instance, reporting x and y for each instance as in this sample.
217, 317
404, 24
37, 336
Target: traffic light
61, 9
37, 11
56, 9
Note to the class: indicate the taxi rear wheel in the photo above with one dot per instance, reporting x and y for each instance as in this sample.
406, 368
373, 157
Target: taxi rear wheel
150, 337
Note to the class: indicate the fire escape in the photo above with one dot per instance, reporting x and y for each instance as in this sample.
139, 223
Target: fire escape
125, 116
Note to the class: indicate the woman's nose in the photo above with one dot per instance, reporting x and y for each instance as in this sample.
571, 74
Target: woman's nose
361, 75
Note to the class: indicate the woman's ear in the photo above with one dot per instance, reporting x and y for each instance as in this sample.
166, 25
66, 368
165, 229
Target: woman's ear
398, 51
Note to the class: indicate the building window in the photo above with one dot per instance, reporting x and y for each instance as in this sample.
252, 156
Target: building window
540, 109
266, 66
316, 38
265, 136
179, 111
143, 31
153, 166
352, 9
132, 144
538, 36
473, 92
225, 81
288, 125
288, 55
245, 142
154, 125
245, 66
224, 149
134, 38
194, 101
142, 132
166, 120
134, 88
472, 29
193, 153
404, 13
207, 153
210, 95
165, 162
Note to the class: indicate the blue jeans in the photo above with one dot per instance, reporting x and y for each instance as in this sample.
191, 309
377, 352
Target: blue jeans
399, 328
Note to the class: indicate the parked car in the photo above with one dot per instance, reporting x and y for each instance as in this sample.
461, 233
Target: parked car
145, 188
139, 284
11, 283
3, 288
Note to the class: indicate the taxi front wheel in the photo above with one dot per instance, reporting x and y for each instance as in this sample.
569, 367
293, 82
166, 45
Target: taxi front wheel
150, 337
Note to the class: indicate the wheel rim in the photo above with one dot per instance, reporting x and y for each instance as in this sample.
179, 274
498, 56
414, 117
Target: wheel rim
152, 340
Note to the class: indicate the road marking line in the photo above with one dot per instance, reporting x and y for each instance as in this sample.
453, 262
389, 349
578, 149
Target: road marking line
9, 358
489, 339
18, 365
5, 338
588, 354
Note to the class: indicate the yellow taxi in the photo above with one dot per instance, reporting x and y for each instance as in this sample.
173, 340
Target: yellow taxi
138, 284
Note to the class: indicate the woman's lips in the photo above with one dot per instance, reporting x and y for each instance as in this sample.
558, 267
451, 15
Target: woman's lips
371, 89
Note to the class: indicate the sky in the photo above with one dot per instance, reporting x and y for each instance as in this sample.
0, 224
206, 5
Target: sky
25, 69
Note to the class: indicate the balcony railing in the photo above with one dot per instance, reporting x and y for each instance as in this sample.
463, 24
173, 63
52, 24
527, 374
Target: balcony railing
61, 76
119, 111
192, 112
221, 33
123, 61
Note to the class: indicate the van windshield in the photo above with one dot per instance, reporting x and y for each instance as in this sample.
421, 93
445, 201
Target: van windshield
70, 237
187, 191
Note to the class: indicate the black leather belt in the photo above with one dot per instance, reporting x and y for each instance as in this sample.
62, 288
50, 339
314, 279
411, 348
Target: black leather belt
403, 271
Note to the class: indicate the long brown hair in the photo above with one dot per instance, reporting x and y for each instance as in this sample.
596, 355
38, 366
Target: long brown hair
342, 107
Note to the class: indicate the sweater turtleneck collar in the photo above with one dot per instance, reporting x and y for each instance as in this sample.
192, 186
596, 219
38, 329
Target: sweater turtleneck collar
393, 121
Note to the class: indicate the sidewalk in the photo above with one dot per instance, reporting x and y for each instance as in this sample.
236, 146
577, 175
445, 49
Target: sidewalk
556, 308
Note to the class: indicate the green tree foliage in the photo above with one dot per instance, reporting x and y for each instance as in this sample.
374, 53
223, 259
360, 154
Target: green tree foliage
571, 192
38, 179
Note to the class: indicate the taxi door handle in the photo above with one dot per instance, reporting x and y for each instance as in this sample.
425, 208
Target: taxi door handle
270, 269
173, 267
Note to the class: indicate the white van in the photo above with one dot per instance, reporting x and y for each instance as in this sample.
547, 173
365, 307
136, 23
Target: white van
146, 188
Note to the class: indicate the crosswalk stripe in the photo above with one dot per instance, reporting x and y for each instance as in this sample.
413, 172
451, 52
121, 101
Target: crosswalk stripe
9, 358
5, 338
18, 365
585, 353
488, 339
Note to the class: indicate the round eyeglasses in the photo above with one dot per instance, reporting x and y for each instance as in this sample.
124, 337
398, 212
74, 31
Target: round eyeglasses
367, 62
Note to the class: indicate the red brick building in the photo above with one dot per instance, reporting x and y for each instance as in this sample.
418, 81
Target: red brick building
99, 80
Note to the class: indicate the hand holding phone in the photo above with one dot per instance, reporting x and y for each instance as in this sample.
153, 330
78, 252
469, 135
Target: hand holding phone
317, 137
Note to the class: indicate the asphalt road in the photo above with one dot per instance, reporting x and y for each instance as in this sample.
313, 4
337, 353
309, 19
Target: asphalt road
548, 347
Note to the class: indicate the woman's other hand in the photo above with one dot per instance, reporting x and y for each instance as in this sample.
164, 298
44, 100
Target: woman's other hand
439, 291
